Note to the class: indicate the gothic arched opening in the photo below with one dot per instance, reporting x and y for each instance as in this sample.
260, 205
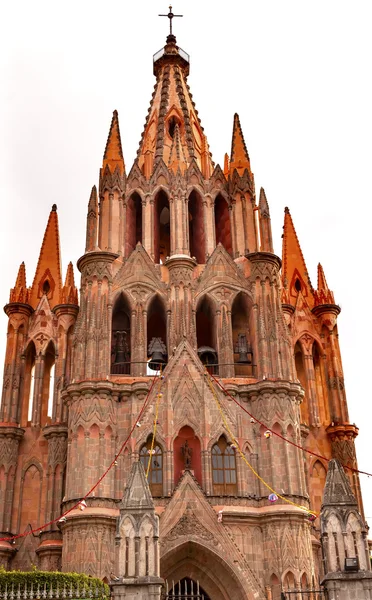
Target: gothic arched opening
29, 386
120, 337
196, 227
153, 453
223, 224
133, 223
156, 334
319, 384
206, 334
223, 468
187, 454
47, 402
193, 561
301, 376
243, 356
161, 227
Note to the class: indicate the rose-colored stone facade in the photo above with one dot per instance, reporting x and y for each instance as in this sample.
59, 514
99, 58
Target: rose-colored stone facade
178, 251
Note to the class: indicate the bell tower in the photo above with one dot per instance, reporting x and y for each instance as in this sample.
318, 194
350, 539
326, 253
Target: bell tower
197, 359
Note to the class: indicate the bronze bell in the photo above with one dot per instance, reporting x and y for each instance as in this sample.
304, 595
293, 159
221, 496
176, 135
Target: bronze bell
158, 353
243, 349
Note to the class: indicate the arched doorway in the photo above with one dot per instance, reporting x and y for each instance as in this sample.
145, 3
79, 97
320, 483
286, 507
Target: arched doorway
191, 560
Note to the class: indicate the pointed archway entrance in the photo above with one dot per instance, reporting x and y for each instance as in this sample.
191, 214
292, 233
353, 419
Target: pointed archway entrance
192, 561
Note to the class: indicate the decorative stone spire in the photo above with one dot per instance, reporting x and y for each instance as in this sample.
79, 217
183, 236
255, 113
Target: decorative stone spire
294, 271
137, 536
344, 538
226, 166
337, 490
113, 156
265, 223
92, 221
323, 294
69, 291
48, 278
20, 292
239, 158
172, 109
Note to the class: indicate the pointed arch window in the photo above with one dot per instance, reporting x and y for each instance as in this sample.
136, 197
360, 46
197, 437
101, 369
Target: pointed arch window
223, 468
155, 477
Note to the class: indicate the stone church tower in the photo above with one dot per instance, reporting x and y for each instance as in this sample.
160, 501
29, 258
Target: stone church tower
179, 270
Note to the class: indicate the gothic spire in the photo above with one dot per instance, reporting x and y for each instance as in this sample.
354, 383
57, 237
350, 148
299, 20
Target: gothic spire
337, 490
113, 156
172, 107
239, 158
48, 278
323, 295
92, 221
294, 271
20, 292
137, 495
265, 223
69, 291
263, 203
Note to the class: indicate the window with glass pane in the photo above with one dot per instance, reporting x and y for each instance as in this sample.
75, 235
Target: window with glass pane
223, 468
155, 478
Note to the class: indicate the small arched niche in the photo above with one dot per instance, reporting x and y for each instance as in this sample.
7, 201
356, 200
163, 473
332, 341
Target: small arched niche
187, 454
161, 227
243, 355
133, 223
196, 227
120, 337
223, 224
206, 334
156, 335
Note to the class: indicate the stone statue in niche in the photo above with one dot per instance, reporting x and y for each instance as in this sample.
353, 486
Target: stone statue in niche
187, 455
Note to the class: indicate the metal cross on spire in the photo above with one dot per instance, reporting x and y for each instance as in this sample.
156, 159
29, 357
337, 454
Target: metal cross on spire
170, 16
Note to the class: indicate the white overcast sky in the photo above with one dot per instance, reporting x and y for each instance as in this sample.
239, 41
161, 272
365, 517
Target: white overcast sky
298, 72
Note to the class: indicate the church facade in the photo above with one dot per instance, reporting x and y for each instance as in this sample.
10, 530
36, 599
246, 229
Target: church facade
179, 276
